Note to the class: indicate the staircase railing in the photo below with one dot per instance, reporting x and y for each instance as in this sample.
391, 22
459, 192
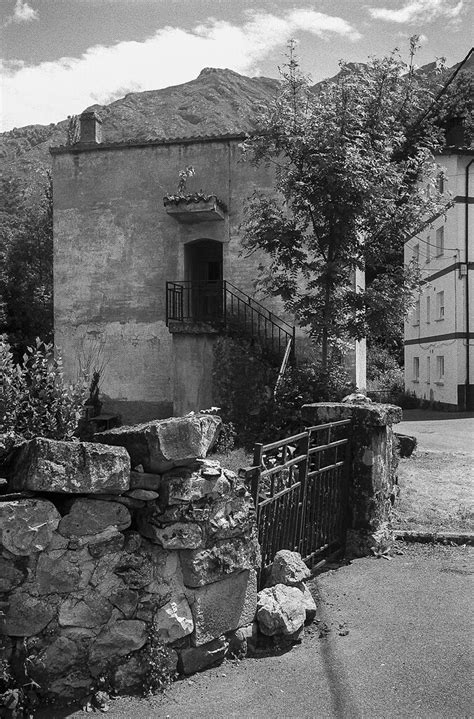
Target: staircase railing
223, 305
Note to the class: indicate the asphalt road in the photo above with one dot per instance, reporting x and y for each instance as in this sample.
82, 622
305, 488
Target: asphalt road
396, 644
440, 431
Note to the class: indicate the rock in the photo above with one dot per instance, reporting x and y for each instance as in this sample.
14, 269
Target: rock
129, 676
126, 600
117, 640
309, 604
91, 611
196, 659
233, 517
56, 659
223, 606
184, 485
46, 465
135, 570
288, 568
174, 536
114, 542
92, 516
144, 495
145, 480
162, 444
11, 574
55, 573
356, 398
280, 610
26, 615
173, 621
240, 639
74, 686
406, 444
204, 566
27, 525
167, 581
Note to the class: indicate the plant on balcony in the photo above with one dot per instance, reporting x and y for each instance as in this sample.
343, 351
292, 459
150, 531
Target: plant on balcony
199, 201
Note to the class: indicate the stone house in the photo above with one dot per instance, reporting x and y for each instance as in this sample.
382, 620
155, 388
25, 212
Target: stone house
439, 352
143, 282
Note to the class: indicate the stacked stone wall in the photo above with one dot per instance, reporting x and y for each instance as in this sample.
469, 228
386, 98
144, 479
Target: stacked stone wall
110, 549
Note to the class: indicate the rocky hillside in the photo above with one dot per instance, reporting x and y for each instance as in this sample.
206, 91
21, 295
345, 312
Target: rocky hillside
218, 101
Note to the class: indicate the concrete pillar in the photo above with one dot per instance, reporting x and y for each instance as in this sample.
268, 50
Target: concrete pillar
90, 128
372, 476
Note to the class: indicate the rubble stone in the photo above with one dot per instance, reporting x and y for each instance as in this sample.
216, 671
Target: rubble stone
47, 465
92, 516
27, 525
204, 566
182, 484
173, 536
195, 659
90, 611
288, 568
280, 610
162, 444
145, 480
117, 640
26, 615
222, 606
11, 575
173, 621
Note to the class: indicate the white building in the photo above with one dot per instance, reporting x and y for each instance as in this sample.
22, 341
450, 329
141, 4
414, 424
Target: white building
439, 333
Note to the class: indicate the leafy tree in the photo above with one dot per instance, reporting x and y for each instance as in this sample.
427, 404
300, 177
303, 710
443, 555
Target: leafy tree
26, 261
354, 178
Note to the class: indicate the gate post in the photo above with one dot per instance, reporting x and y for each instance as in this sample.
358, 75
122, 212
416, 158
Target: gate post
372, 471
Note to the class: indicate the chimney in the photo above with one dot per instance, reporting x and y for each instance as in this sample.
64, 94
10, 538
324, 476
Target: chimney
90, 128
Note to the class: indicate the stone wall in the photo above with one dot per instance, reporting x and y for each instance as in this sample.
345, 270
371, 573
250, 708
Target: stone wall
372, 475
114, 548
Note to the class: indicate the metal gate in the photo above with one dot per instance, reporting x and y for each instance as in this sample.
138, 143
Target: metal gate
299, 485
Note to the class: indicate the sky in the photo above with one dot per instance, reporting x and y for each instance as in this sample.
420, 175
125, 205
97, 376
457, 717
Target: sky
59, 56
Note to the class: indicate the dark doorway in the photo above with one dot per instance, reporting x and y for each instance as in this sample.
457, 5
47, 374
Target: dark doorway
203, 272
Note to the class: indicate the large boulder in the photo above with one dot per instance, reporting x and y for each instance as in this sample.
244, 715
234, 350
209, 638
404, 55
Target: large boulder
162, 444
27, 525
46, 465
281, 610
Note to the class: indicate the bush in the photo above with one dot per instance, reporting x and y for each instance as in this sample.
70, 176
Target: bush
384, 374
34, 398
243, 388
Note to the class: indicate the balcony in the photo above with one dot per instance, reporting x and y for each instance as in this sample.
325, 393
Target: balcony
195, 207
218, 307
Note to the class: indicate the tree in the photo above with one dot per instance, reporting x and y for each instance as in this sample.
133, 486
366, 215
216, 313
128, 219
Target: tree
26, 260
354, 178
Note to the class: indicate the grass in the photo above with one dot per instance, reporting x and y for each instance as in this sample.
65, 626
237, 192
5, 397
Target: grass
436, 489
436, 492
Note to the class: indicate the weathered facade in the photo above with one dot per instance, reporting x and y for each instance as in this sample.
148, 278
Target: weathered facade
116, 246
439, 352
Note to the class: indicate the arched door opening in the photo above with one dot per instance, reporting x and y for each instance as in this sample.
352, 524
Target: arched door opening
203, 273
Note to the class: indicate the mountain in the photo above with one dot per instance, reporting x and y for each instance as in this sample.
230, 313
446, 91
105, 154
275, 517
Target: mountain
216, 102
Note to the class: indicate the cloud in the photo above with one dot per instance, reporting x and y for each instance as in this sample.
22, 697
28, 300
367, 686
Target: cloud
22, 13
50, 91
419, 11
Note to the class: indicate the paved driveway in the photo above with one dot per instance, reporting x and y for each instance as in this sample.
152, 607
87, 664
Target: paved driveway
440, 431
398, 646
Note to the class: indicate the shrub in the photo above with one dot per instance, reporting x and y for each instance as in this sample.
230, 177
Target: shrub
243, 388
35, 400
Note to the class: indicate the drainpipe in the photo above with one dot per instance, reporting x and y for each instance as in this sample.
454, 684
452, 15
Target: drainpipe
466, 259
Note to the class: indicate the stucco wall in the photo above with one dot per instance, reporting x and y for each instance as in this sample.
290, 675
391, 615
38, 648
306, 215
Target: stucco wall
433, 336
115, 247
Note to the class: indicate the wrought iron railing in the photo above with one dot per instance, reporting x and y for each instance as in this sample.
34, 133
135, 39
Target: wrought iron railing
224, 306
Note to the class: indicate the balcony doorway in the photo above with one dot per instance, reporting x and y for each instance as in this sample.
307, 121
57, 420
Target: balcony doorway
203, 273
